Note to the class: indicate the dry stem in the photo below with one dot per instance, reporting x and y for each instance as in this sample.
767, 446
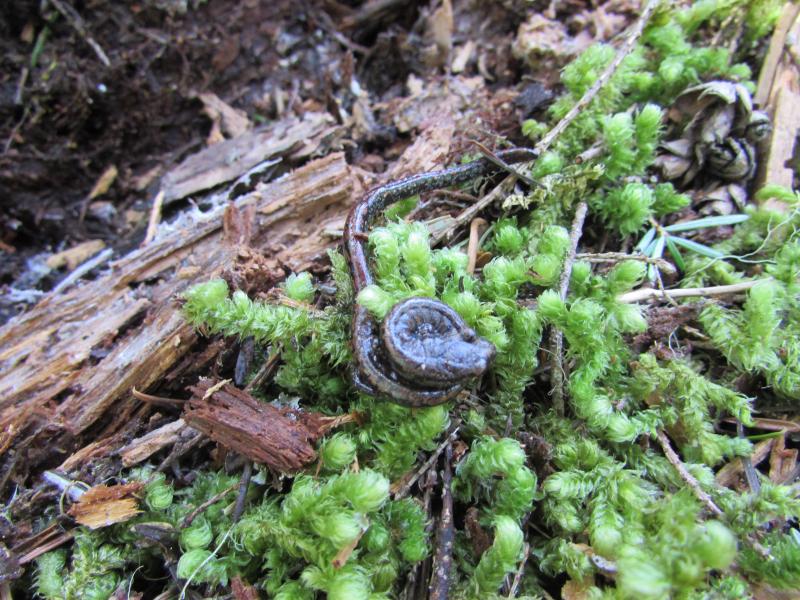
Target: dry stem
690, 480
720, 290
556, 335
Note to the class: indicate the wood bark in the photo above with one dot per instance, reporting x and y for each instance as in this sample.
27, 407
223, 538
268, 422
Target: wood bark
280, 438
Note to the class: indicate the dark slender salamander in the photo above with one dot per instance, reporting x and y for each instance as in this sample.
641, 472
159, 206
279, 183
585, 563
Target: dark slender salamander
423, 353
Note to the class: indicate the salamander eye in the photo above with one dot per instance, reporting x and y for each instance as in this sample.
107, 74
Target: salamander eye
469, 335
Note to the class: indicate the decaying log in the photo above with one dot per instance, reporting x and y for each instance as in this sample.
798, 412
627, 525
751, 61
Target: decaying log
278, 437
47, 353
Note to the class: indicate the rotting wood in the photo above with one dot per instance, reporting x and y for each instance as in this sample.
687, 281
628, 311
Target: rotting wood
69, 360
280, 438
227, 160
144, 447
46, 353
778, 92
729, 475
101, 505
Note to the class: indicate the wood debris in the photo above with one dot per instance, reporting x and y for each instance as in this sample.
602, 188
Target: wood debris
48, 352
144, 447
778, 92
103, 505
229, 159
72, 257
278, 437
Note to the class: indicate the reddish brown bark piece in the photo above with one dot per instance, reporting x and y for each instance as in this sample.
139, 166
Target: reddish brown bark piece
277, 437
102, 505
242, 590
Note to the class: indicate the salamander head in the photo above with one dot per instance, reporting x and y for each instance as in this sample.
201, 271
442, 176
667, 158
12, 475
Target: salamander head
427, 341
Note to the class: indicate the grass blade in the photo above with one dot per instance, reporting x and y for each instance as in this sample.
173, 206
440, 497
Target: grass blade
699, 248
645, 241
676, 255
706, 222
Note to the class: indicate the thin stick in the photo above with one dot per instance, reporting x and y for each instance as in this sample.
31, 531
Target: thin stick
403, 489
75, 21
156, 400
615, 257
155, 218
180, 449
456, 194
627, 47
556, 335
213, 500
445, 536
474, 240
82, 269
720, 290
526, 551
501, 190
690, 480
493, 158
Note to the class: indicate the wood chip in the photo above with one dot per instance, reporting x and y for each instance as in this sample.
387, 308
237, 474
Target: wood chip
277, 437
231, 121
778, 92
104, 183
730, 474
227, 160
102, 505
74, 256
144, 447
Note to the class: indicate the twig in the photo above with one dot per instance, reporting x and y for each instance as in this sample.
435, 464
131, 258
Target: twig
719, 290
493, 158
526, 552
627, 46
244, 483
690, 480
213, 500
155, 218
52, 544
264, 372
701, 494
472, 246
156, 400
75, 21
456, 194
346, 552
416, 586
180, 449
556, 335
501, 190
615, 257
445, 536
83, 269
403, 489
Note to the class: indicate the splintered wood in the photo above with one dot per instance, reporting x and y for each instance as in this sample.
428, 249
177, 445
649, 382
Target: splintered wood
71, 358
278, 437
779, 93
102, 505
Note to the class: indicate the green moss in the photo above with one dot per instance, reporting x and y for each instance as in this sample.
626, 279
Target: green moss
611, 512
